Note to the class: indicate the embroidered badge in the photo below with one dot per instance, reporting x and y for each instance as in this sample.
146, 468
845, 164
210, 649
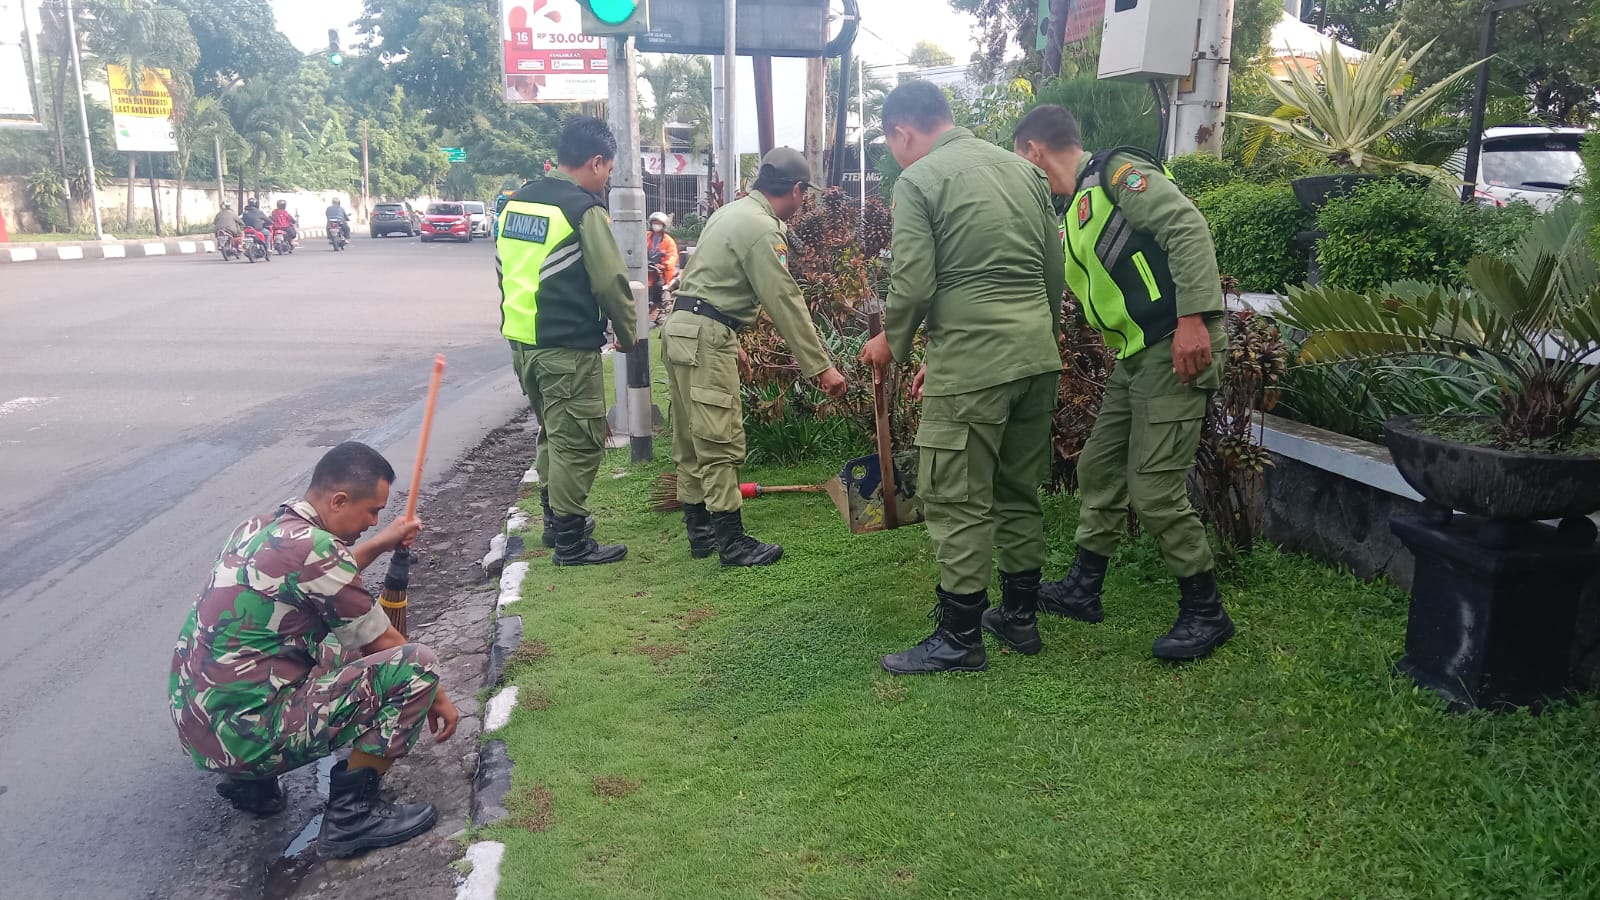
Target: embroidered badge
1085, 208
783, 254
1135, 181
1116, 177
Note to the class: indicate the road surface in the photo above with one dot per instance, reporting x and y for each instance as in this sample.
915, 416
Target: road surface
146, 408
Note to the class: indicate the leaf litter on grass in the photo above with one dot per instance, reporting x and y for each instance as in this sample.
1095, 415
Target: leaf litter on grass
534, 808
613, 787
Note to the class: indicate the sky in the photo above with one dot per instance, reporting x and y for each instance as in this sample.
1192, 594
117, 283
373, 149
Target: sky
890, 28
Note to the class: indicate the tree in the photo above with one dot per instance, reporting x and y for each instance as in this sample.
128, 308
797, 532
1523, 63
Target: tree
261, 121
1252, 27
1359, 23
237, 39
444, 53
1538, 51
927, 53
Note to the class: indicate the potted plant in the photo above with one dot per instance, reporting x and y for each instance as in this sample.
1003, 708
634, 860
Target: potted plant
1494, 599
1342, 110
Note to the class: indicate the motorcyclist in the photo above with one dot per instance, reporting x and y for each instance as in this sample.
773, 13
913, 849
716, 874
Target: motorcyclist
338, 217
257, 221
282, 221
662, 254
227, 220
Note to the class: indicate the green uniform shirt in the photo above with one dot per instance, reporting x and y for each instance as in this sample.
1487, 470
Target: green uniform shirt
741, 264
978, 258
1154, 205
608, 273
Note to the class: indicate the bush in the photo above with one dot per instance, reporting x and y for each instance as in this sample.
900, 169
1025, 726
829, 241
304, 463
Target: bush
1254, 227
1591, 196
1391, 230
1199, 174
688, 229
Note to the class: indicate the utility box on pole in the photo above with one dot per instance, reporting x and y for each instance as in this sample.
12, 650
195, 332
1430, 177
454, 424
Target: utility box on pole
1148, 38
1190, 40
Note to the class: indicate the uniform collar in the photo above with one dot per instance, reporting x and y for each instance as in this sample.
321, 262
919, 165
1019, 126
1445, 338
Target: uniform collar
949, 136
763, 202
561, 176
301, 508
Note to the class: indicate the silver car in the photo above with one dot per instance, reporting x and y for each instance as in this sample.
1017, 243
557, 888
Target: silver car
480, 217
1533, 164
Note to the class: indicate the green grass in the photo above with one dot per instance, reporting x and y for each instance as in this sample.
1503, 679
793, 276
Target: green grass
762, 753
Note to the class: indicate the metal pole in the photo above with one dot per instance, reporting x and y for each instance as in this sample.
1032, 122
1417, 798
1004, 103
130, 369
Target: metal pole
841, 110
761, 67
366, 193
627, 226
861, 135
83, 119
1198, 114
222, 189
1480, 100
730, 101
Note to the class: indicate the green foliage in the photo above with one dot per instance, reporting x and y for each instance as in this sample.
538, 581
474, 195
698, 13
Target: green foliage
48, 194
1198, 174
1356, 398
687, 229
1252, 26
1359, 23
445, 54
994, 113
1110, 113
1254, 226
1391, 230
1590, 189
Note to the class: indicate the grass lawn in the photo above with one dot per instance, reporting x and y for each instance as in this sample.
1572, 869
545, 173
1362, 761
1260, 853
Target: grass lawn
690, 732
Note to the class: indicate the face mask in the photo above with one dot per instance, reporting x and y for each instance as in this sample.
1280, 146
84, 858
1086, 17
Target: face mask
658, 227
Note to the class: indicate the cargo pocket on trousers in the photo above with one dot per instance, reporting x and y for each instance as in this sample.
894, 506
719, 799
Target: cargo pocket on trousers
680, 341
1172, 432
715, 415
942, 450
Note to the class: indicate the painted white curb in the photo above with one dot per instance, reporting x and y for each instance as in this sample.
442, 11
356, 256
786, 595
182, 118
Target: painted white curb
531, 476
485, 858
114, 251
186, 246
69, 253
511, 583
23, 254
498, 711
155, 249
516, 519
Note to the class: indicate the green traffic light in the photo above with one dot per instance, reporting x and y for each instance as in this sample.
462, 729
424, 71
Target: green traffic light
613, 12
335, 59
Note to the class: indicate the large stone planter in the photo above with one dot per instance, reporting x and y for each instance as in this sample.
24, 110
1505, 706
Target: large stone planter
1498, 484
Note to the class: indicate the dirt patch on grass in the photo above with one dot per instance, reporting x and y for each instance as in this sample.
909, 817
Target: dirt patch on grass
890, 691
613, 787
528, 653
695, 617
536, 808
538, 701
660, 653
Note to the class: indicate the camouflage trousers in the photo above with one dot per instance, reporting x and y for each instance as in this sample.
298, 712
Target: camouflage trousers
378, 704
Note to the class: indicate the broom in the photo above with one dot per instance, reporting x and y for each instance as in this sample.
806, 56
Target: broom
664, 492
393, 598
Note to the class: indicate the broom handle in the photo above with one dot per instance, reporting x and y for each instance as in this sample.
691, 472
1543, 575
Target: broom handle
422, 441
880, 411
791, 489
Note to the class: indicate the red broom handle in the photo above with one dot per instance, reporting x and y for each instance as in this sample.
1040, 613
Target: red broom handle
422, 441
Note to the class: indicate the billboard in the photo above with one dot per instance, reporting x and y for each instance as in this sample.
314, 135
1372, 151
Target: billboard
17, 99
763, 27
547, 57
143, 120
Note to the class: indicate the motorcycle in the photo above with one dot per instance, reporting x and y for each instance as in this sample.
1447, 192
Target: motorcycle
229, 245
281, 242
255, 245
338, 236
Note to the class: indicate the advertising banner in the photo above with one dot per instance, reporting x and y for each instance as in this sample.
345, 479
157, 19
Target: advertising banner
143, 121
548, 58
16, 86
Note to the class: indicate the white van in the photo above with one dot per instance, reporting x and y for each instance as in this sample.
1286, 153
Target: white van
1531, 163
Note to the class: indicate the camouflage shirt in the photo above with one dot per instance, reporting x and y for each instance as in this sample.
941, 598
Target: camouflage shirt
281, 585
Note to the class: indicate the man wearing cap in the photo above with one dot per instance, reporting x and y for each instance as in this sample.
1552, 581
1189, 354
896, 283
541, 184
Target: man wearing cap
741, 265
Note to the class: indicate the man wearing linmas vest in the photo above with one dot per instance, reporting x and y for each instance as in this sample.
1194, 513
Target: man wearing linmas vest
1140, 260
561, 277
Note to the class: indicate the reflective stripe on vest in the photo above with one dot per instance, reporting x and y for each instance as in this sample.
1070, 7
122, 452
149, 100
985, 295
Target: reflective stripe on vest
1118, 273
536, 244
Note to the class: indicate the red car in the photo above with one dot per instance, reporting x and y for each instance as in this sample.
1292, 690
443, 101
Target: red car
446, 220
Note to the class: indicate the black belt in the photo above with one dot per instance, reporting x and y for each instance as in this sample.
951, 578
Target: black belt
702, 308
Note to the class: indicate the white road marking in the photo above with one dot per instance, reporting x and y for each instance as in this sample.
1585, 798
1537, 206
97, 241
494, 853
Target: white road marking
69, 253
114, 251
186, 246
498, 712
23, 403
23, 254
484, 881
511, 583
155, 249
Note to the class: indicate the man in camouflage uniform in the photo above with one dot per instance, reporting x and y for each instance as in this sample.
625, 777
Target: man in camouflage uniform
246, 693
740, 266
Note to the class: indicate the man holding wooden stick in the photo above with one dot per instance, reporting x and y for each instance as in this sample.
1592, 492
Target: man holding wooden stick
246, 693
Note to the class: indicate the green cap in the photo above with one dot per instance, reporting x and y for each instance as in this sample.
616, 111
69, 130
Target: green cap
784, 164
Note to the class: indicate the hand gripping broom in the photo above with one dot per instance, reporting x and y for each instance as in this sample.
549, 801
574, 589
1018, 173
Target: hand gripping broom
398, 579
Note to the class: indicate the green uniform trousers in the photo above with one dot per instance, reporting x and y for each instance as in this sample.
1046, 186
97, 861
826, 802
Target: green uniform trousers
568, 394
1140, 453
707, 424
982, 457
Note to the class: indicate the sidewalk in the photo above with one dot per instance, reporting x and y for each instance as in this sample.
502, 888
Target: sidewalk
72, 251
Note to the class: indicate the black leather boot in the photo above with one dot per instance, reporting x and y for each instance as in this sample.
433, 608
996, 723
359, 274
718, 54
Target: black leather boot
574, 547
956, 644
1016, 620
549, 537
1202, 626
735, 548
358, 818
1077, 596
256, 796
702, 537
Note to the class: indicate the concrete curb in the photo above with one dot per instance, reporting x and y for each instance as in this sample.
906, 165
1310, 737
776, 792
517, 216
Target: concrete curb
73, 252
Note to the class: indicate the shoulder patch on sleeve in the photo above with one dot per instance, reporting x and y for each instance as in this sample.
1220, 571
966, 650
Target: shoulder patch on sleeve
782, 251
1130, 178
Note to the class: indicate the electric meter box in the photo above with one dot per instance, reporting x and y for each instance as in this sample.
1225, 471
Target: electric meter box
1149, 38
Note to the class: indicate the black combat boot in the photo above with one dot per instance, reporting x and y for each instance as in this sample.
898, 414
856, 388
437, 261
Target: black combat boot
1202, 626
735, 548
550, 520
1077, 596
702, 537
956, 644
256, 796
1016, 620
574, 547
358, 818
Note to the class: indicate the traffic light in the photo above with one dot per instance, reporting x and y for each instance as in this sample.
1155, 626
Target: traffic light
615, 17
335, 58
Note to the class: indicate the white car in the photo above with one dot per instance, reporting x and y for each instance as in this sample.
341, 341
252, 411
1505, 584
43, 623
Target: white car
1531, 163
480, 217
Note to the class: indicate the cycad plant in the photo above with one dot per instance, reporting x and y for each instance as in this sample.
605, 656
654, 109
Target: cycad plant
1531, 323
1344, 109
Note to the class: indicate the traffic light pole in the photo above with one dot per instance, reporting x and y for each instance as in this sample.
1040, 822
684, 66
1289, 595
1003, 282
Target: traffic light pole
627, 226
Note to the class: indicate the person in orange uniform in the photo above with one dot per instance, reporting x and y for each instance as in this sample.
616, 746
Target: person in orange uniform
662, 254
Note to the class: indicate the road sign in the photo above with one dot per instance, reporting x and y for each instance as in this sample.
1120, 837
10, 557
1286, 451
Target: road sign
456, 154
547, 57
764, 27
677, 163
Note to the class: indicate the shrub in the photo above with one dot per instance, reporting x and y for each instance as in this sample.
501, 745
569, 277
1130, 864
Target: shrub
1199, 174
1392, 230
1591, 196
688, 228
1254, 228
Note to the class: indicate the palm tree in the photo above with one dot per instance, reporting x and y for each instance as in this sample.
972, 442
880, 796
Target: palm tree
656, 118
680, 90
261, 121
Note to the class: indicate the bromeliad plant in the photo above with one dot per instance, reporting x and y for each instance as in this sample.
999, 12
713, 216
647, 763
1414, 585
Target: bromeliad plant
1344, 109
1530, 323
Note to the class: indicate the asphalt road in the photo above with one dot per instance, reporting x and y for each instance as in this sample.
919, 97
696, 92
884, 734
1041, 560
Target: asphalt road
146, 408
